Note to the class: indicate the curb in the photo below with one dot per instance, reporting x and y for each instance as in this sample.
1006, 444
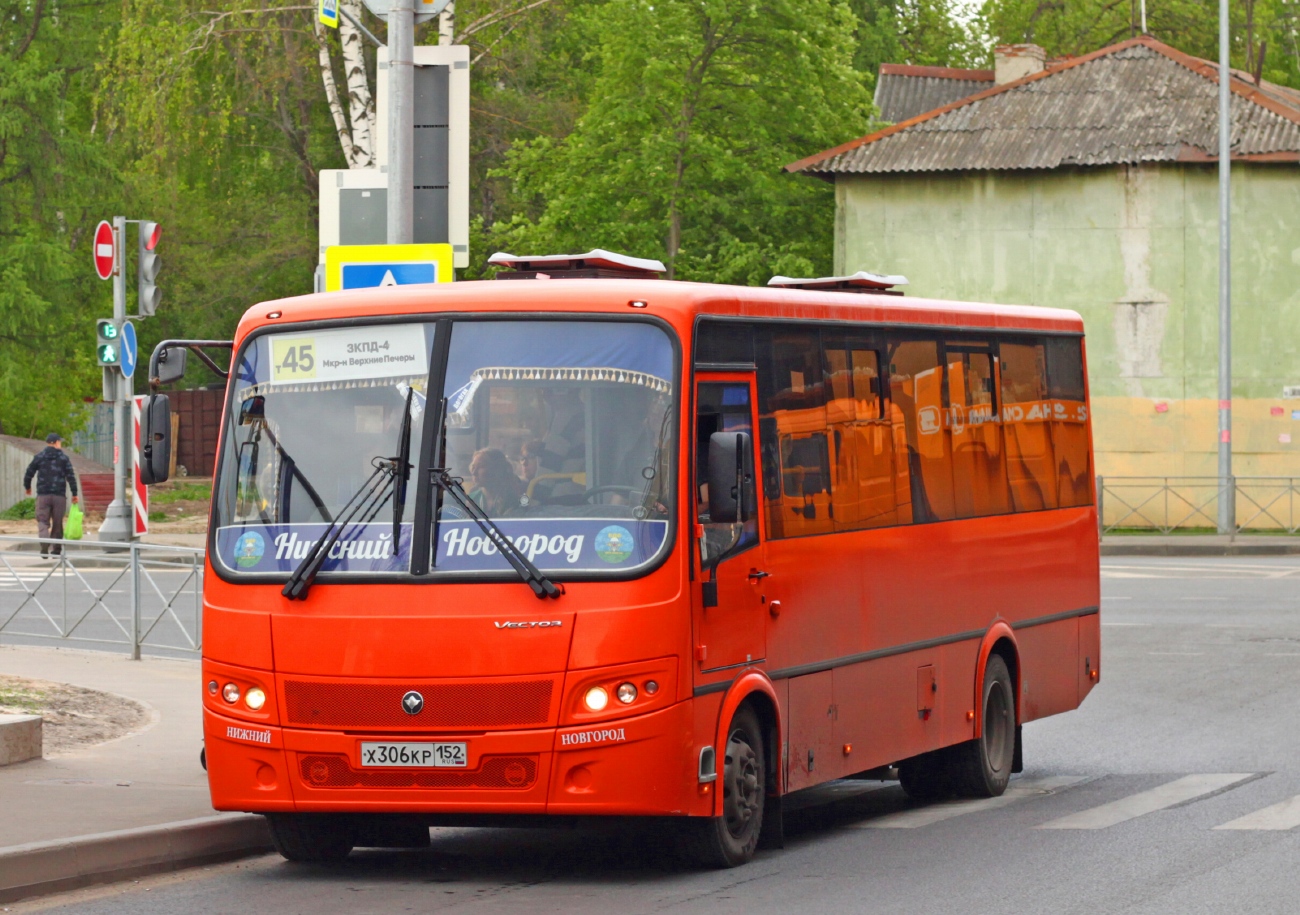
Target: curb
1199, 549
65, 864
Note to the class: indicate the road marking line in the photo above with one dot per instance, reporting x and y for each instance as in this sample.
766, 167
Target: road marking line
1284, 815
1178, 791
1018, 791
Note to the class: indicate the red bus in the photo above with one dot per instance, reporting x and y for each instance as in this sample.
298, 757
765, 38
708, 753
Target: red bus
621, 546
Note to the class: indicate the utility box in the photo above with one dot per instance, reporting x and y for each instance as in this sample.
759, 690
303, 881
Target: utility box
354, 202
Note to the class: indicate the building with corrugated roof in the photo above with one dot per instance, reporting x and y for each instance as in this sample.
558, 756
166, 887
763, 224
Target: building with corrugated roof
1091, 184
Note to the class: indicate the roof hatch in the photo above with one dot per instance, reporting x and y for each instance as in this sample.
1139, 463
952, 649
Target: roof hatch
862, 281
595, 264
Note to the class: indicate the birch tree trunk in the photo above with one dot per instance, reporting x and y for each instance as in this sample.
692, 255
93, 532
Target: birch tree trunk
361, 103
332, 94
447, 24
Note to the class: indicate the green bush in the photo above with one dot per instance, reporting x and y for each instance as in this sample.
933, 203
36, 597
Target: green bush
181, 492
20, 511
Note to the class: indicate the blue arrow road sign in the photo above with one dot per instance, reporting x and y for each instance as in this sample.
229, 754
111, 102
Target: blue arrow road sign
402, 273
129, 349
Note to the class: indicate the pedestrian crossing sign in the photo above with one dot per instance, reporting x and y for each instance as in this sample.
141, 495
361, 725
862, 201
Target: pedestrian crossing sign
328, 11
370, 266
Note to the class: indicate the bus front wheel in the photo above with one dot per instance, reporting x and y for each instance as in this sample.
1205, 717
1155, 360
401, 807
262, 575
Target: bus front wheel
983, 766
310, 836
730, 840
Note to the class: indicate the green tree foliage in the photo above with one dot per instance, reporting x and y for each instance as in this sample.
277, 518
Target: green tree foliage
694, 108
221, 129
53, 177
923, 32
1267, 28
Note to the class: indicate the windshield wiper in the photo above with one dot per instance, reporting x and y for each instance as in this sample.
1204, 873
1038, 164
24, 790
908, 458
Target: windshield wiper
542, 586
402, 469
364, 504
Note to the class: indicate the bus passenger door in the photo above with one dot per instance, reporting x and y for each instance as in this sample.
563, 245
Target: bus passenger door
732, 633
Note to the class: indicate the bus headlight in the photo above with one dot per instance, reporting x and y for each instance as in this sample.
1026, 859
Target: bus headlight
596, 699
230, 692
255, 699
626, 693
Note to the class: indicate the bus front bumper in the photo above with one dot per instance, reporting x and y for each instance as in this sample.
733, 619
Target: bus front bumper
644, 765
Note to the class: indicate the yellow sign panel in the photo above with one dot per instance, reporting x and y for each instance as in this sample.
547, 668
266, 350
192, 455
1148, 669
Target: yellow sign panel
368, 266
328, 11
293, 359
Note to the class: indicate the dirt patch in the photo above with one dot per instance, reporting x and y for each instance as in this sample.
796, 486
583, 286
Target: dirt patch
75, 718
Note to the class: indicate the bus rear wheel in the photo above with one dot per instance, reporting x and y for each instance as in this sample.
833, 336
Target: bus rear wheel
982, 767
310, 837
730, 840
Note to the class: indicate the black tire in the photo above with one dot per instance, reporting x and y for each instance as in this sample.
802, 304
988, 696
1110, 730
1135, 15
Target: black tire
731, 839
927, 777
310, 837
982, 767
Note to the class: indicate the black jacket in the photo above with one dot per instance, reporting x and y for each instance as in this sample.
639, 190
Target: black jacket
52, 469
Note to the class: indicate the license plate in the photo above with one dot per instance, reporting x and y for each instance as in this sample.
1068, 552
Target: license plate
437, 755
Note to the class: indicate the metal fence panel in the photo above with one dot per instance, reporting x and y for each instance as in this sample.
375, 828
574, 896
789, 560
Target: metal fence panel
139, 596
1168, 504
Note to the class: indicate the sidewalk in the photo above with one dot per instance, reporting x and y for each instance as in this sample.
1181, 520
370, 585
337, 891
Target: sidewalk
146, 783
1200, 545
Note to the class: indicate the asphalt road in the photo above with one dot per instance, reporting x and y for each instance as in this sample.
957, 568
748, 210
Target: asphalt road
1174, 789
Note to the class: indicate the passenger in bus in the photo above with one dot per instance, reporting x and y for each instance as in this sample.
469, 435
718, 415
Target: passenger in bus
496, 488
530, 460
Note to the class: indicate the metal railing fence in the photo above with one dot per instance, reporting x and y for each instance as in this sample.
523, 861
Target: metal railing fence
1173, 503
136, 595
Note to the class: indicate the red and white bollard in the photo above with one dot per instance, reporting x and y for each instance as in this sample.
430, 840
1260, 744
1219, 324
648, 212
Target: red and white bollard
140, 497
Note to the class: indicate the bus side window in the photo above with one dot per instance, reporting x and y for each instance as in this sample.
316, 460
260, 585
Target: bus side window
721, 407
916, 388
979, 465
792, 394
863, 492
1066, 390
1026, 425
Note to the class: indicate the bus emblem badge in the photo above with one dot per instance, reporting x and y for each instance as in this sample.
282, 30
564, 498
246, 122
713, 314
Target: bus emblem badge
412, 703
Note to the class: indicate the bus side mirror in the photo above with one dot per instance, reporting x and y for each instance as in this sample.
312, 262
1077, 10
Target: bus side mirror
171, 364
731, 478
155, 439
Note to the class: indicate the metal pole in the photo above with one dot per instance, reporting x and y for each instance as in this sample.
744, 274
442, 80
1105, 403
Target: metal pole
116, 525
1101, 507
401, 122
1227, 491
135, 602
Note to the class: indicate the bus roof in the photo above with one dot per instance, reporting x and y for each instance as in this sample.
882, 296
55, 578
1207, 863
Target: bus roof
678, 303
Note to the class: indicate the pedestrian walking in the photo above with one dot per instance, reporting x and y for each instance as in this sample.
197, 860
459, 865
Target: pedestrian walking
54, 475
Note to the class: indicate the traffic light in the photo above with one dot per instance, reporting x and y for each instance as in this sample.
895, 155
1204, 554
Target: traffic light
147, 266
108, 343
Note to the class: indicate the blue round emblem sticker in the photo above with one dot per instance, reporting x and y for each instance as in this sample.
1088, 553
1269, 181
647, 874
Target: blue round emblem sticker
249, 549
614, 543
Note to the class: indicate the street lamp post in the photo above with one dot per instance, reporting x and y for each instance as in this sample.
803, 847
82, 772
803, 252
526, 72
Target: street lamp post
1227, 489
401, 122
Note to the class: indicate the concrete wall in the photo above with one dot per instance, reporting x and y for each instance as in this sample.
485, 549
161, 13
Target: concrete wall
1135, 251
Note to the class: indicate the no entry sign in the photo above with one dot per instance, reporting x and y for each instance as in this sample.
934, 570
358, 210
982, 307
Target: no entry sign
104, 250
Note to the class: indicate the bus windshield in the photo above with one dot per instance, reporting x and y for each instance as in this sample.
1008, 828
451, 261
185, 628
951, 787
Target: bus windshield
560, 431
